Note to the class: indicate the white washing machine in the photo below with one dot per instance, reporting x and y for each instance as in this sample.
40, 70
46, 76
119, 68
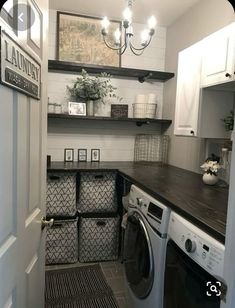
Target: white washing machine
193, 267
144, 250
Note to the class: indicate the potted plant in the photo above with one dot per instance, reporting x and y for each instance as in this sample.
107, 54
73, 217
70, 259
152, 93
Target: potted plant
90, 89
229, 121
211, 167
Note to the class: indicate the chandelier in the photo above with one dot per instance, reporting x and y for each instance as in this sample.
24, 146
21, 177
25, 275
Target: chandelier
146, 35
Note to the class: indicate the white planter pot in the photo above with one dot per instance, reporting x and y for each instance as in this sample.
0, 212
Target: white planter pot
90, 108
210, 179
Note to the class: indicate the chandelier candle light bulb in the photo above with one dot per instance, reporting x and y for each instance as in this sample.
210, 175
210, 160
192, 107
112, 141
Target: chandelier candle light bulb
152, 22
117, 36
105, 25
144, 37
127, 15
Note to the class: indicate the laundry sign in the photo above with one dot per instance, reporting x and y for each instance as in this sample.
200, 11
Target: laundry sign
19, 69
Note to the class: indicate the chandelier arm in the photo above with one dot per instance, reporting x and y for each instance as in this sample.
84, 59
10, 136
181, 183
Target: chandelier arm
113, 48
135, 52
142, 48
121, 52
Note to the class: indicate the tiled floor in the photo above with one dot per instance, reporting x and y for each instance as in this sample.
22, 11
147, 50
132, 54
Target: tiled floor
114, 274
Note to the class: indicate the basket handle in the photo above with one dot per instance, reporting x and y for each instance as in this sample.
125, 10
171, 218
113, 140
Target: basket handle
54, 177
99, 176
101, 223
57, 225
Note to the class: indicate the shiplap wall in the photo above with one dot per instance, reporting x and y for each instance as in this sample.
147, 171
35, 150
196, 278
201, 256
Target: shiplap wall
115, 140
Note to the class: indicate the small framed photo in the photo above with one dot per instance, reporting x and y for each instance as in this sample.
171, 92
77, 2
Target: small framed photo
77, 108
68, 155
95, 155
82, 154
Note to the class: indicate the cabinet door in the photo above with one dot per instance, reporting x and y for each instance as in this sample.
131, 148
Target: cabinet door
188, 91
218, 57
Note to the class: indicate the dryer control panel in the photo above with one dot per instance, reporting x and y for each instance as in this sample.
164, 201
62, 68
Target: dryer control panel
198, 245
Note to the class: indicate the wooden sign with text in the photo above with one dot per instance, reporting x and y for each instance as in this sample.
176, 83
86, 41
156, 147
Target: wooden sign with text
19, 70
119, 111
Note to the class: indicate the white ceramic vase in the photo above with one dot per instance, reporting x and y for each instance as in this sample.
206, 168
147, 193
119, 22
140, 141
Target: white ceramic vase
90, 108
210, 179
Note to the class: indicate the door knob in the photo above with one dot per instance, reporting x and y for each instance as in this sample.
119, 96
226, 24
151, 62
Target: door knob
228, 75
46, 223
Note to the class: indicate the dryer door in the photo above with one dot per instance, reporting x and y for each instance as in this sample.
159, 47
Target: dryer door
138, 257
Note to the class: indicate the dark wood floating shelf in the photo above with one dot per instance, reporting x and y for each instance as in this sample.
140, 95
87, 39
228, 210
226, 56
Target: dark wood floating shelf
141, 75
138, 121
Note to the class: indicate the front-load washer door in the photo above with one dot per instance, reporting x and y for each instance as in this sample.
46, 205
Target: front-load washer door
138, 257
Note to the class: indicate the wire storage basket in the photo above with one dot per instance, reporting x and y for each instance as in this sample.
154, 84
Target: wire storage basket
151, 148
144, 110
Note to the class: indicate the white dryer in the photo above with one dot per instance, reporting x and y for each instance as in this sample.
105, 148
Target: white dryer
144, 250
193, 267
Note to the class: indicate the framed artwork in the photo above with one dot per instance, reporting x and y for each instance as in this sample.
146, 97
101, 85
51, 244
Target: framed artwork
77, 108
68, 155
82, 154
95, 155
79, 39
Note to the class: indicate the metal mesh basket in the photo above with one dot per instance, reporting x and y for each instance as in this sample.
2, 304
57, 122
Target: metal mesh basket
144, 110
151, 148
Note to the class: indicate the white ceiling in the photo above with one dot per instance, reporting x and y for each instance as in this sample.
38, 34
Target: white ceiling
166, 11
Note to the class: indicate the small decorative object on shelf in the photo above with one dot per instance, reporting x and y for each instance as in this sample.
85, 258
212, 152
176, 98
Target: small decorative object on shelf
95, 155
77, 108
51, 107
119, 110
211, 167
68, 155
82, 154
58, 108
90, 89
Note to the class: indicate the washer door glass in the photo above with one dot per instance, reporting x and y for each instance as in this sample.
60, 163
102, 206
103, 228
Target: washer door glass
138, 258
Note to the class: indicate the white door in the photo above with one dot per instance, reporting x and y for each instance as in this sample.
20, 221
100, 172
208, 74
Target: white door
218, 57
23, 126
188, 91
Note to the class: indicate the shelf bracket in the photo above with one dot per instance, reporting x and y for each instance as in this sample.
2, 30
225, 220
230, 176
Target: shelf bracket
145, 77
140, 123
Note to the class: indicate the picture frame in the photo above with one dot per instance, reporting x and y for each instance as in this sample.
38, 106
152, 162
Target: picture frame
68, 155
79, 40
75, 108
119, 111
82, 155
95, 155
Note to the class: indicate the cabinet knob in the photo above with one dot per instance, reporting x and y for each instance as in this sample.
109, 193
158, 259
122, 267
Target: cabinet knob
191, 132
228, 75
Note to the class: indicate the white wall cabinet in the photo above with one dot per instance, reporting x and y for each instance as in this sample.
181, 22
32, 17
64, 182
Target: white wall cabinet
199, 107
188, 91
218, 57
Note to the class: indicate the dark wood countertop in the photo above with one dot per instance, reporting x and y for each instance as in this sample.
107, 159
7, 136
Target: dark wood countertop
183, 191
